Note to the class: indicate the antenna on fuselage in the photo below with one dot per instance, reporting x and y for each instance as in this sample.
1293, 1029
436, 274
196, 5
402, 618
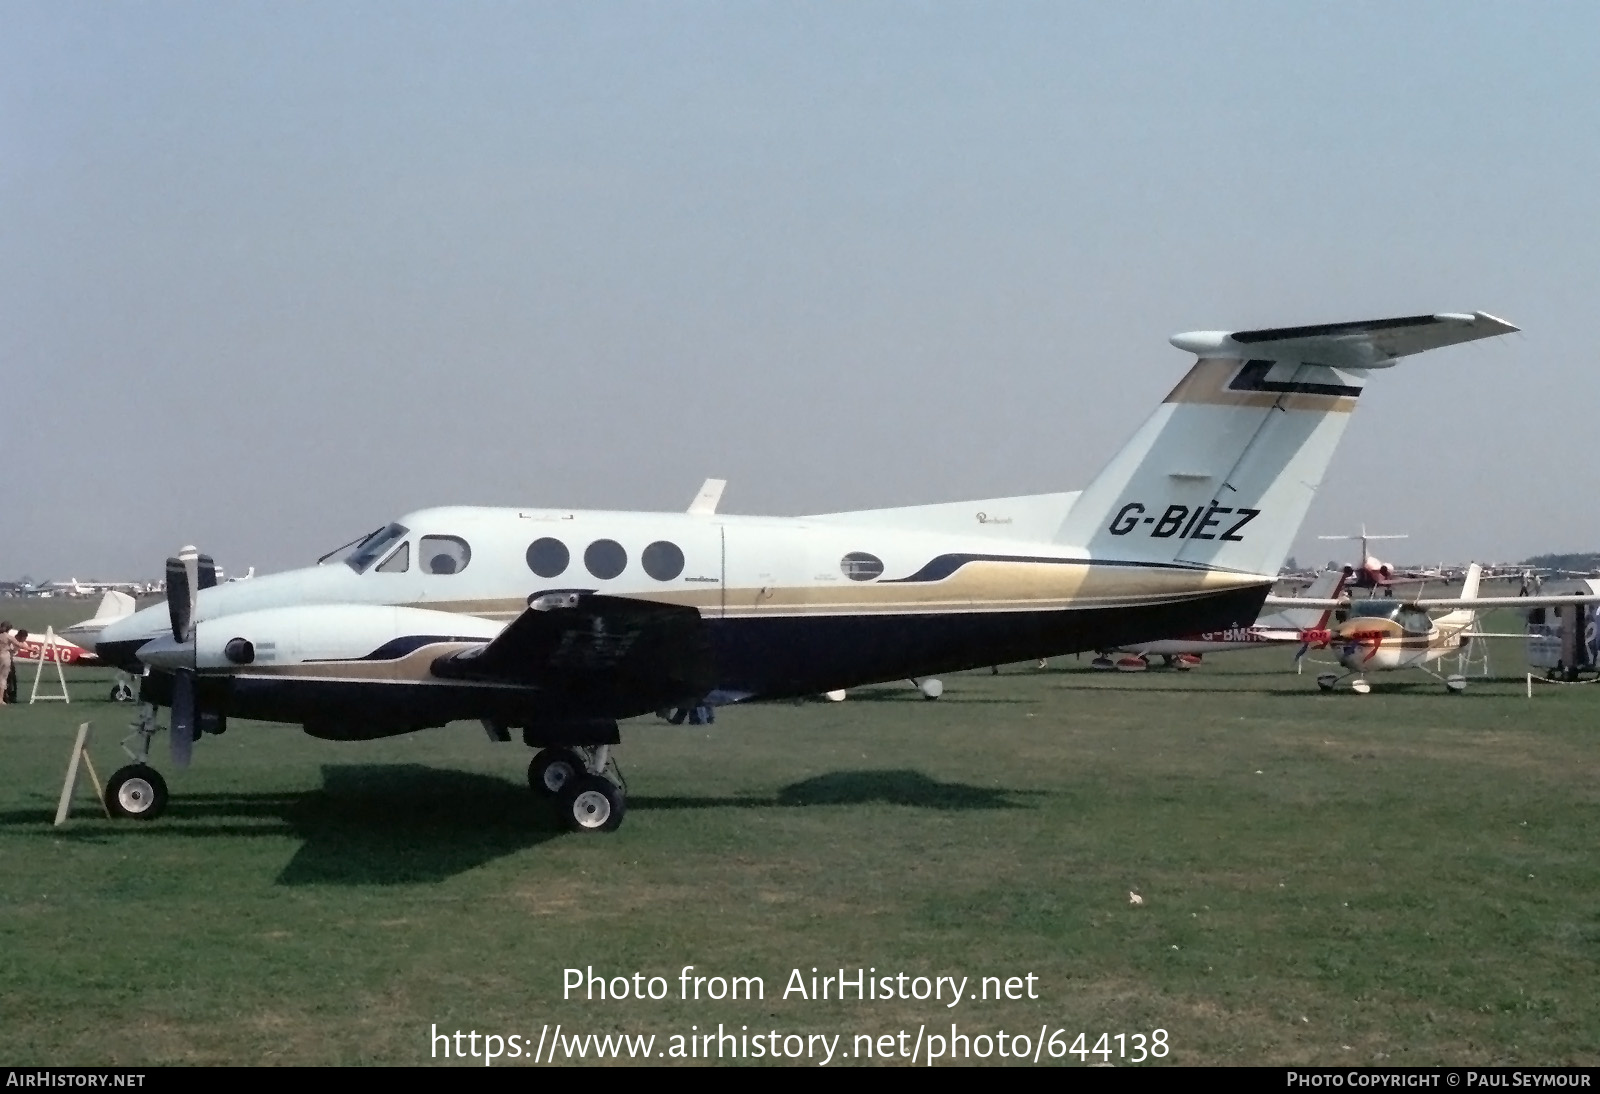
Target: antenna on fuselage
705, 502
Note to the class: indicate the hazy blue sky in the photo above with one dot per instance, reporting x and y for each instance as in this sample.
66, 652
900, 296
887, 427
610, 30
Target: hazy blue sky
275, 273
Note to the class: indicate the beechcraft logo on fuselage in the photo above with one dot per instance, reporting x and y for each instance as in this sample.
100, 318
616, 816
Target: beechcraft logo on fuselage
1201, 522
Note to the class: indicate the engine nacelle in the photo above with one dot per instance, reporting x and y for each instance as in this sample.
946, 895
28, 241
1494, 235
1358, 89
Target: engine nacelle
328, 632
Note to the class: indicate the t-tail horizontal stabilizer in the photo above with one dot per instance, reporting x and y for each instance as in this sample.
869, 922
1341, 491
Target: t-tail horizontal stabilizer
1222, 473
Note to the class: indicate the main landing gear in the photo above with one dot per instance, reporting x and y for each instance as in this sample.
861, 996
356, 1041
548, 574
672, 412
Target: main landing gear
1330, 680
1454, 684
585, 783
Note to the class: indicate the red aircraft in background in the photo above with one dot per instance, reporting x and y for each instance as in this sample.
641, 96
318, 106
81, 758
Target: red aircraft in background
1371, 573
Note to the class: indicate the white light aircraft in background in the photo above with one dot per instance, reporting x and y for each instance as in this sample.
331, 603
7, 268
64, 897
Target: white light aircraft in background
1382, 634
557, 623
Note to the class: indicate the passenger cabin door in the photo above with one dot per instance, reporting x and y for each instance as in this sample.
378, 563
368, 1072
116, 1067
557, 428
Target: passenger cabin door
765, 569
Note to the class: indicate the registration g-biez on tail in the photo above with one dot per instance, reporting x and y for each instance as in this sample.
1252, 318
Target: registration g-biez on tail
555, 623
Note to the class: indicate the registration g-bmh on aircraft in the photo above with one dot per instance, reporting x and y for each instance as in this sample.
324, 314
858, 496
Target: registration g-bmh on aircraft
557, 623
1300, 626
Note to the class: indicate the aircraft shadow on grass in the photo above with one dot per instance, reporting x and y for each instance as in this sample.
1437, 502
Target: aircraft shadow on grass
410, 824
905, 788
405, 824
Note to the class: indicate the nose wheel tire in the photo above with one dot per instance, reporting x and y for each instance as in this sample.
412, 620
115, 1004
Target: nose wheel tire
122, 692
552, 769
592, 803
137, 792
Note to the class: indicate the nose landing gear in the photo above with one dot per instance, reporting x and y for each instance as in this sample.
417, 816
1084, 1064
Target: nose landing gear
137, 791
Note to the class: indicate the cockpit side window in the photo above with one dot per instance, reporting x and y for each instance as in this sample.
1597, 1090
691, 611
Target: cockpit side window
375, 547
443, 554
1416, 622
397, 563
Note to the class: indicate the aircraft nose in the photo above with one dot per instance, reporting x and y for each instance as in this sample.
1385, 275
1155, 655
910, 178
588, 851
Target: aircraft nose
122, 654
118, 644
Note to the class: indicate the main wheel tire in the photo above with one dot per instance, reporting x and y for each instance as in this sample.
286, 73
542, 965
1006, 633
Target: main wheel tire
592, 803
552, 769
137, 792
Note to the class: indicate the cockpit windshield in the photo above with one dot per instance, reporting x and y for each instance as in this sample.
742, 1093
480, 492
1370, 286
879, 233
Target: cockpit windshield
1374, 609
370, 547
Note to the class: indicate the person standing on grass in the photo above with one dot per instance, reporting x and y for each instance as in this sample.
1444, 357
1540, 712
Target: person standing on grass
8, 654
16, 670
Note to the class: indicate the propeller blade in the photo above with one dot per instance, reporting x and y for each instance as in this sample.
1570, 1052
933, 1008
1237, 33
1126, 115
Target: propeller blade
180, 599
191, 568
186, 576
183, 717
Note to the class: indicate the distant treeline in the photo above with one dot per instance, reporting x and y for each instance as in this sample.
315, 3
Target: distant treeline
1581, 560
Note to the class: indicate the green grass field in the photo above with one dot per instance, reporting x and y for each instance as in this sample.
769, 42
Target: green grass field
1401, 878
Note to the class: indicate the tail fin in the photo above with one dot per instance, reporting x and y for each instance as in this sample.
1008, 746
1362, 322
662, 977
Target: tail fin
1328, 585
1469, 587
114, 606
1222, 473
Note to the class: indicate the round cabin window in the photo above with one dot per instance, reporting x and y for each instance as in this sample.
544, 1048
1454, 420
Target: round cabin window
605, 559
860, 566
662, 560
548, 557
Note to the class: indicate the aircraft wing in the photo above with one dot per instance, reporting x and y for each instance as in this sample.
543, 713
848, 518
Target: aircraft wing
1368, 343
1437, 603
1321, 604
1505, 601
607, 655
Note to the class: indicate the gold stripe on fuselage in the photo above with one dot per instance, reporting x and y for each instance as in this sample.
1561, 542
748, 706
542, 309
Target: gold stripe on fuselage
981, 585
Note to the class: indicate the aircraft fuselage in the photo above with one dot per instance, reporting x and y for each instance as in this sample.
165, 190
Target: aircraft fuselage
789, 606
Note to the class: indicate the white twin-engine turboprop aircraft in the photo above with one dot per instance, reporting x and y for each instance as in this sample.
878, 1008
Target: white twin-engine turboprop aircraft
557, 623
